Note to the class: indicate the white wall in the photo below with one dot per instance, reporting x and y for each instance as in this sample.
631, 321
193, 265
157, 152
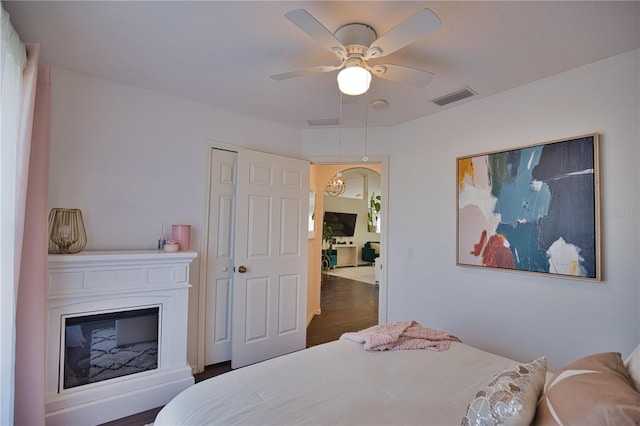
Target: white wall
323, 145
515, 314
132, 160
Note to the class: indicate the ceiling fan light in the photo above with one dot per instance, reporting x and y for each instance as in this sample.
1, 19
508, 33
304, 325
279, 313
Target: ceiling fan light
354, 80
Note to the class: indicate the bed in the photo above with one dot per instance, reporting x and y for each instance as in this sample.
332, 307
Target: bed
340, 383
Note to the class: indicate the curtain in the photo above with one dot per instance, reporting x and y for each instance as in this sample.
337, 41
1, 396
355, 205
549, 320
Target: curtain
19, 70
13, 60
31, 304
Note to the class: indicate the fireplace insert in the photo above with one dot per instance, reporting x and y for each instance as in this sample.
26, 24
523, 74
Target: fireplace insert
104, 346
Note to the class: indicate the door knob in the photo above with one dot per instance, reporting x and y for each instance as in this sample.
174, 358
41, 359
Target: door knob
242, 269
225, 269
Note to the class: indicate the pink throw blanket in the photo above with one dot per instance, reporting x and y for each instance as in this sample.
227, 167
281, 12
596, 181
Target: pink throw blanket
401, 335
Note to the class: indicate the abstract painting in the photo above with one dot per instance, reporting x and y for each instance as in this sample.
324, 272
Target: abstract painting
533, 209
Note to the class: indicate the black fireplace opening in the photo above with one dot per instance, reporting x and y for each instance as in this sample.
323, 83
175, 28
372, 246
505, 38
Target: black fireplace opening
104, 346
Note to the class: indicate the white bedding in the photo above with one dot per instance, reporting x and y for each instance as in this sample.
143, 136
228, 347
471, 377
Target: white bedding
340, 383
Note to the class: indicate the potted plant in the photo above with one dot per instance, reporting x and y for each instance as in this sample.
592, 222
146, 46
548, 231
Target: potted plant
374, 212
327, 236
329, 255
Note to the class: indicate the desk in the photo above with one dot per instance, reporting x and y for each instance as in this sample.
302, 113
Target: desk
347, 254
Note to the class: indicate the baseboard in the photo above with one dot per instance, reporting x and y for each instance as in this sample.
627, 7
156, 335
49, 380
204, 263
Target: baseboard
149, 392
313, 314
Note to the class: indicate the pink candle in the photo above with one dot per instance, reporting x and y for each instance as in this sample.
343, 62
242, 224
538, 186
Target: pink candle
182, 234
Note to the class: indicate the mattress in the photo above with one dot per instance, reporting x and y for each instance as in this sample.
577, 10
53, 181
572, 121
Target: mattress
340, 383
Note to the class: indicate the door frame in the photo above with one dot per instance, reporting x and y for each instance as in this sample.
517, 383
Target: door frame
384, 201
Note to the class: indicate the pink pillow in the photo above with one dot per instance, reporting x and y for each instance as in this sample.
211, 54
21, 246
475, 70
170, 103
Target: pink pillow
594, 390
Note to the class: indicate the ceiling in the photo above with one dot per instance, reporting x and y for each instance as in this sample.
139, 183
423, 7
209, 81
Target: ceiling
222, 53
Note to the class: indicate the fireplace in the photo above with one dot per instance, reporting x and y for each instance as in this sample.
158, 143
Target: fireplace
116, 335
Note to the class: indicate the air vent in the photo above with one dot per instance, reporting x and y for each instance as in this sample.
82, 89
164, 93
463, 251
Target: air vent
458, 95
323, 122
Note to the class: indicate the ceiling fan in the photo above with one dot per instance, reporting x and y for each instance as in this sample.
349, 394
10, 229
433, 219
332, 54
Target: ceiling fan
355, 43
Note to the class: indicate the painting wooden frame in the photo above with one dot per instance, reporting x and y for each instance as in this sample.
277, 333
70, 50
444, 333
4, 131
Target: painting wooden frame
534, 209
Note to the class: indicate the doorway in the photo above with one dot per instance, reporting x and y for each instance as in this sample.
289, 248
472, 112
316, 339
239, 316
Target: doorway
320, 174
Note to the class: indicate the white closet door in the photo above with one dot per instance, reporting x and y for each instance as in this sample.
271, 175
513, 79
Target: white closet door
220, 256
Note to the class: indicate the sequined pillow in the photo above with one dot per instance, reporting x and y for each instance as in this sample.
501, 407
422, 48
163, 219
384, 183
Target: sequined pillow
510, 397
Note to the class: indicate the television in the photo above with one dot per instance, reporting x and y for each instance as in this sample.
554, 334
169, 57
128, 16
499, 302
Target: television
342, 224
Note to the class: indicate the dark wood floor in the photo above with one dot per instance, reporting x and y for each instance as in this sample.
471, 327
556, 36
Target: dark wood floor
346, 305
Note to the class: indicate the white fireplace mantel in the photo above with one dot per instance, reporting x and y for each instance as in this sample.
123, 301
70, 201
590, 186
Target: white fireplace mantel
111, 281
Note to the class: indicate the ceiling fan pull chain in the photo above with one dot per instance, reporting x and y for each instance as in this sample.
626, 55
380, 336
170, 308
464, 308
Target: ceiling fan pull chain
366, 126
340, 137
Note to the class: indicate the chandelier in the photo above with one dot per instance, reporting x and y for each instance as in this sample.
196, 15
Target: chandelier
336, 185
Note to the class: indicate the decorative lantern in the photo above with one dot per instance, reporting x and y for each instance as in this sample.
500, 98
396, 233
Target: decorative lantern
66, 231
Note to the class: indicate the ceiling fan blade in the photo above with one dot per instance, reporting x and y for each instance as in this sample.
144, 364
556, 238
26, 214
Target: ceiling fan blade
305, 71
405, 33
402, 74
307, 23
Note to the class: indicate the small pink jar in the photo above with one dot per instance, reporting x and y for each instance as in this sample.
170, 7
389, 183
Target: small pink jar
171, 246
